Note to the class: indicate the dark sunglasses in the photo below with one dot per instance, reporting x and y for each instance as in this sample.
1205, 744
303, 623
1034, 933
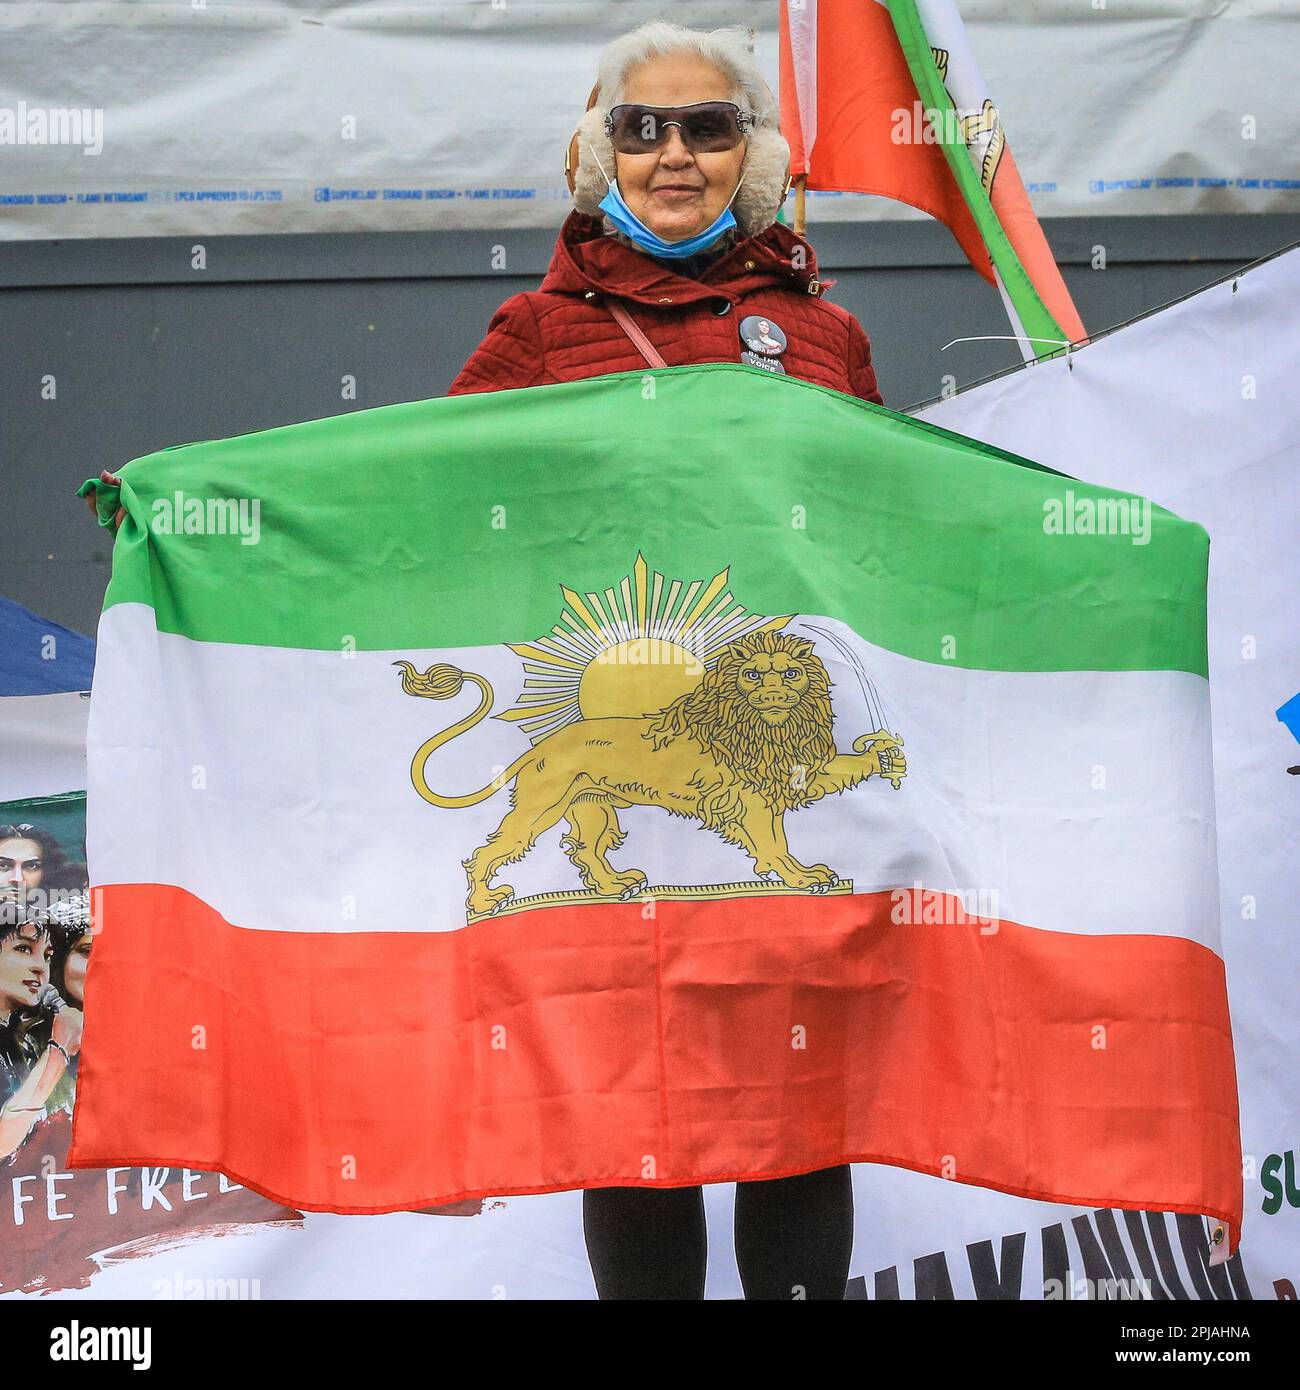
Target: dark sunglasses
706, 127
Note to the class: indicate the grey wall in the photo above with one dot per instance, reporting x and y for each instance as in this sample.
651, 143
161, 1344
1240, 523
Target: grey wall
146, 351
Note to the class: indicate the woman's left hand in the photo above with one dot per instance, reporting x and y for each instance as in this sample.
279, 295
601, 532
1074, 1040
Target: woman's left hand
112, 480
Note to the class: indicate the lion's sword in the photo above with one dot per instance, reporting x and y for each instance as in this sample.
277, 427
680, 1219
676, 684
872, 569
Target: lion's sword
875, 704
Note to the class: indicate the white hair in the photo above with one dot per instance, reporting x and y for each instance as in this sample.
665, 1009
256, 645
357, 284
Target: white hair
767, 156
728, 50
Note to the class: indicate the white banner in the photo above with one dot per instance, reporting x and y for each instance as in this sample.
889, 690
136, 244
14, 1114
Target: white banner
211, 117
1195, 407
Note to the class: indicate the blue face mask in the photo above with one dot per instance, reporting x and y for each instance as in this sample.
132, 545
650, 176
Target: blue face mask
616, 209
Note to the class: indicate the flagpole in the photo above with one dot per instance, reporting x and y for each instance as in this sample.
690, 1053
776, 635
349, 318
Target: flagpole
800, 206
1027, 350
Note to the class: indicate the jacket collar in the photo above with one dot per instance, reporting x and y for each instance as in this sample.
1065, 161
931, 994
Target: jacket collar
586, 259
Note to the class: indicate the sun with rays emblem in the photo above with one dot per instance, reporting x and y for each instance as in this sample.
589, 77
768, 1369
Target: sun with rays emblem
666, 693
629, 650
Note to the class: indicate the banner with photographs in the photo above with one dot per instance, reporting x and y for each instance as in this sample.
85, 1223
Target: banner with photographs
58, 1227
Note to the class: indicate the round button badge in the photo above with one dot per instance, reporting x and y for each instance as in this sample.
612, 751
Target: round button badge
762, 335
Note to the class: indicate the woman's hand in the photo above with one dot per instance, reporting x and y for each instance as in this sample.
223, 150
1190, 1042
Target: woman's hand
113, 481
66, 1030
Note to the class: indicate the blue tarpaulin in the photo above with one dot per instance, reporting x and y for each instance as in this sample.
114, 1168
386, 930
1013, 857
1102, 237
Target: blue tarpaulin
38, 657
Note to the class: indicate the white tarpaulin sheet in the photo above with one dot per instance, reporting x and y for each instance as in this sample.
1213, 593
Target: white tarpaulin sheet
211, 117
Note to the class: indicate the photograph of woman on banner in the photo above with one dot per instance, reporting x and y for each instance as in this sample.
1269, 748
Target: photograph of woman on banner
35, 869
23, 854
70, 931
71, 920
40, 1032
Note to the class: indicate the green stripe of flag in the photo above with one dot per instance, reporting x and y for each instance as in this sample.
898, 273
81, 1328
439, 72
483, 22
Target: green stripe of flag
1035, 317
454, 522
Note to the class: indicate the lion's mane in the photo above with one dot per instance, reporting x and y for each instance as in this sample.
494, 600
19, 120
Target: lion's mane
780, 761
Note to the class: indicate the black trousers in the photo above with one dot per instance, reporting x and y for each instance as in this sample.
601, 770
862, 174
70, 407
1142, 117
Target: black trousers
794, 1237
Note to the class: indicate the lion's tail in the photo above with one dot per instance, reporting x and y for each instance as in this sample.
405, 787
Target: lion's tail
443, 682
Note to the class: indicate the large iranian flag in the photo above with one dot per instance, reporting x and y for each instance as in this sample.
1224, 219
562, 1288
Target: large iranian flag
663, 778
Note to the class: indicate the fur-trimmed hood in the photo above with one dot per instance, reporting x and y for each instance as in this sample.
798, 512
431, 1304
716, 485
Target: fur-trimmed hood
755, 206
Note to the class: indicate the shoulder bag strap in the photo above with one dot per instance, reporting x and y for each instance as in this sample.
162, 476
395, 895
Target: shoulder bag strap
643, 344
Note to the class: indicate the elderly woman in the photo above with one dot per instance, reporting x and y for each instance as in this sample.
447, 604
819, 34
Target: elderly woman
673, 255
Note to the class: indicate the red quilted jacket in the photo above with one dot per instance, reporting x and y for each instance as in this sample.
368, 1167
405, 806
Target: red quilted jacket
563, 332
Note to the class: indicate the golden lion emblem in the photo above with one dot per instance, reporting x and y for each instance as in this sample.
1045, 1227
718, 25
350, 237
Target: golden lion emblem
752, 741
